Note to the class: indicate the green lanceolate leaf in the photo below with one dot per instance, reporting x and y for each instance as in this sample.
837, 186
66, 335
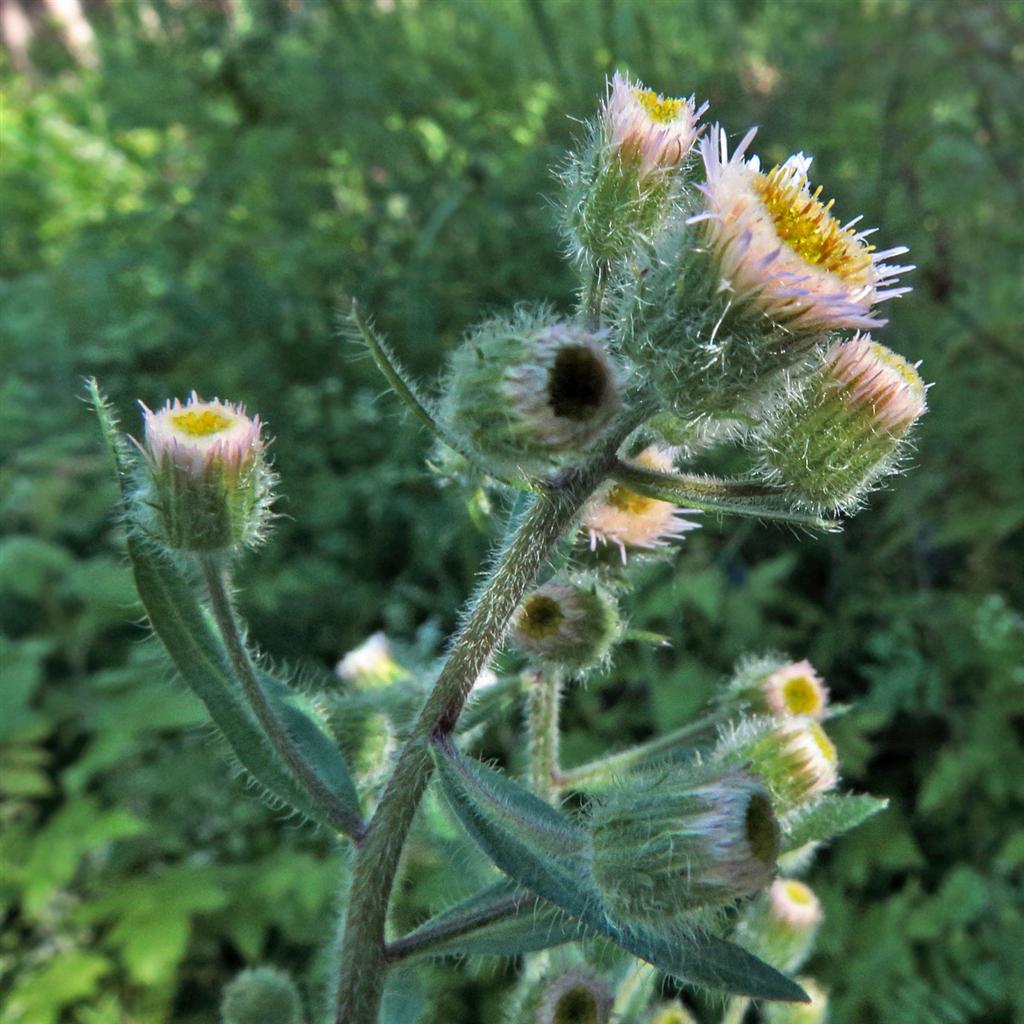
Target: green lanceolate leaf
829, 817
178, 620
503, 920
491, 808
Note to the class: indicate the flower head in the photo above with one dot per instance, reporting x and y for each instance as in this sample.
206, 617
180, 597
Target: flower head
626, 519
577, 997
658, 131
794, 756
814, 1012
774, 686
780, 249
569, 624
671, 840
843, 426
210, 480
780, 925
370, 665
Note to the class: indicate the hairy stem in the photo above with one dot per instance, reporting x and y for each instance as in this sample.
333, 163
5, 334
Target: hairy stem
605, 767
593, 298
550, 515
338, 813
543, 703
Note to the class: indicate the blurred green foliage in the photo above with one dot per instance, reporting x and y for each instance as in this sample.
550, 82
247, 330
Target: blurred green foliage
192, 212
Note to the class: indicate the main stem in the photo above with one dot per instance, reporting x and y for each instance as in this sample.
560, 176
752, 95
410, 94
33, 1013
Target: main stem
363, 959
339, 814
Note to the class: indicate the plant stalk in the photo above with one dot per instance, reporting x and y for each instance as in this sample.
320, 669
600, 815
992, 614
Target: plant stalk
339, 814
551, 513
543, 705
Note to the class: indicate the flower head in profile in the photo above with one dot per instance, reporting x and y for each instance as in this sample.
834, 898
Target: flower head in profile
211, 485
629, 520
659, 131
780, 926
775, 686
197, 435
781, 251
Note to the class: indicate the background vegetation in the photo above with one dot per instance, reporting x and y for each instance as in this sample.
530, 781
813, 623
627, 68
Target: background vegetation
188, 195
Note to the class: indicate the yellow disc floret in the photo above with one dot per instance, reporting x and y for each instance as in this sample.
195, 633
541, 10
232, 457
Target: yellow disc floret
200, 422
823, 743
663, 109
807, 226
802, 695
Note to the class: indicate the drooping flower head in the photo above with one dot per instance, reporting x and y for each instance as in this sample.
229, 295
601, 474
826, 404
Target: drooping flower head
781, 251
628, 520
658, 131
842, 427
568, 624
209, 473
794, 756
780, 925
525, 390
668, 841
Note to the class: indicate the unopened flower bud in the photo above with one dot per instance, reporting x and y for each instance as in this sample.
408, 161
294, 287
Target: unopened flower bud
673, 1013
261, 995
781, 924
575, 998
814, 1012
844, 426
794, 757
631, 521
210, 483
569, 625
370, 665
526, 393
620, 187
670, 841
774, 686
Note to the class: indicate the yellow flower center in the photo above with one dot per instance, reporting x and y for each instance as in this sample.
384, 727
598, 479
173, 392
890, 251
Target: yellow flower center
801, 696
896, 362
807, 226
662, 109
200, 422
798, 892
628, 501
823, 743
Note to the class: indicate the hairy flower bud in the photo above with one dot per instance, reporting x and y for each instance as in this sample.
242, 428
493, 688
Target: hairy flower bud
620, 187
526, 392
370, 665
843, 427
672, 840
262, 995
780, 925
793, 756
569, 625
210, 484
814, 1012
628, 520
774, 686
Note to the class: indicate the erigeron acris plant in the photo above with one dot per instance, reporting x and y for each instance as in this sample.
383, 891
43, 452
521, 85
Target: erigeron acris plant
718, 305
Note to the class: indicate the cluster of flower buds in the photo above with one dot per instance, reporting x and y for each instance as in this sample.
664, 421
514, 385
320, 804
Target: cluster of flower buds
674, 840
793, 756
209, 482
527, 391
571, 625
843, 426
621, 185
774, 686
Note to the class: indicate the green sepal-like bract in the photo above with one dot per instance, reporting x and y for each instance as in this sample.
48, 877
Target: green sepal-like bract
828, 817
497, 826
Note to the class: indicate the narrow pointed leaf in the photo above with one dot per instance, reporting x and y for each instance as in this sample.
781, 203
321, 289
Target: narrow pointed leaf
565, 881
503, 919
829, 817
